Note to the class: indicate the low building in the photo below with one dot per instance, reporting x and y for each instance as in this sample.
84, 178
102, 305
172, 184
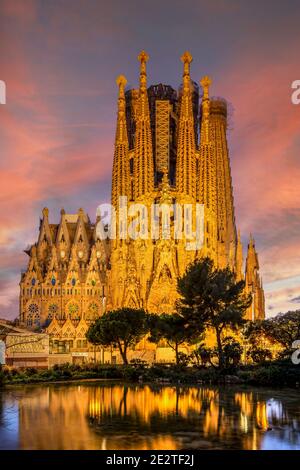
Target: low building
23, 348
27, 350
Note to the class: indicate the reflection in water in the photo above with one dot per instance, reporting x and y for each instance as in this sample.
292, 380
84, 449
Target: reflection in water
116, 416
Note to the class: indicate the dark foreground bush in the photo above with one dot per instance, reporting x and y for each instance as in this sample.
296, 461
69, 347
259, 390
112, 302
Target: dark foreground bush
272, 374
68, 372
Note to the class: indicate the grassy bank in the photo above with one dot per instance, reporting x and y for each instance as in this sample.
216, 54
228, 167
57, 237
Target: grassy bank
273, 374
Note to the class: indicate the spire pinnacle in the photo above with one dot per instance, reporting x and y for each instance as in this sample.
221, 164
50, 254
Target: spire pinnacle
45, 212
143, 57
205, 82
121, 82
186, 58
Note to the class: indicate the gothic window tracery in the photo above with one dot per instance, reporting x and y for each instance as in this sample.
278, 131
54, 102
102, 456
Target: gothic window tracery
73, 310
33, 308
53, 310
92, 311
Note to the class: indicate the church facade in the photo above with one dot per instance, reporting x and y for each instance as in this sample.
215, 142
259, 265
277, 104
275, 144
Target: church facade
170, 151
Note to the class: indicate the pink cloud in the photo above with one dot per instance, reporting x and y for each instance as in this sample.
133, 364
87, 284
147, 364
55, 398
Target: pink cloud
45, 155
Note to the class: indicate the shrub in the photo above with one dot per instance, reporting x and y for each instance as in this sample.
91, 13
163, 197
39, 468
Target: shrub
30, 371
259, 355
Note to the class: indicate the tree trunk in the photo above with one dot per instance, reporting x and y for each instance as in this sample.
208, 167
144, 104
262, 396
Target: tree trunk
176, 353
123, 353
124, 356
220, 349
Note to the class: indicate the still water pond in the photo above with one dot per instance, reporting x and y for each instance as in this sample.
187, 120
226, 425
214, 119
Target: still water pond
117, 416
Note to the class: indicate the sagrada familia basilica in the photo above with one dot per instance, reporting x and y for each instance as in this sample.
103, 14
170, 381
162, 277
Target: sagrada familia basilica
170, 148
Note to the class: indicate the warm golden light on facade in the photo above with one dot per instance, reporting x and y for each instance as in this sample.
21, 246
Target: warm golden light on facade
170, 147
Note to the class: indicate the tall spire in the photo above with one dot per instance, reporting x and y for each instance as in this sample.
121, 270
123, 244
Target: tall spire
186, 148
215, 176
225, 204
207, 178
143, 154
256, 311
239, 258
205, 82
121, 164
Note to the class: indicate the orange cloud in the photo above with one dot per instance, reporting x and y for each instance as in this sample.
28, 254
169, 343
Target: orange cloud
265, 145
48, 150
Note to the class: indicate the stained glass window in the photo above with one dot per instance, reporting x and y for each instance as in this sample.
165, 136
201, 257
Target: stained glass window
52, 310
33, 308
73, 310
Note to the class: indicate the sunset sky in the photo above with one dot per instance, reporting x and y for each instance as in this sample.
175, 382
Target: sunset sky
60, 59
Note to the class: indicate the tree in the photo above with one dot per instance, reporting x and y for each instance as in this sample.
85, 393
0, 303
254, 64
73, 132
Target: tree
203, 355
258, 354
284, 329
173, 328
232, 351
212, 298
122, 328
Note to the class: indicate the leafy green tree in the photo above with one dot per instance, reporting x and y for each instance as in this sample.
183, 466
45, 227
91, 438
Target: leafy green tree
212, 298
232, 350
173, 328
122, 328
284, 329
258, 355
